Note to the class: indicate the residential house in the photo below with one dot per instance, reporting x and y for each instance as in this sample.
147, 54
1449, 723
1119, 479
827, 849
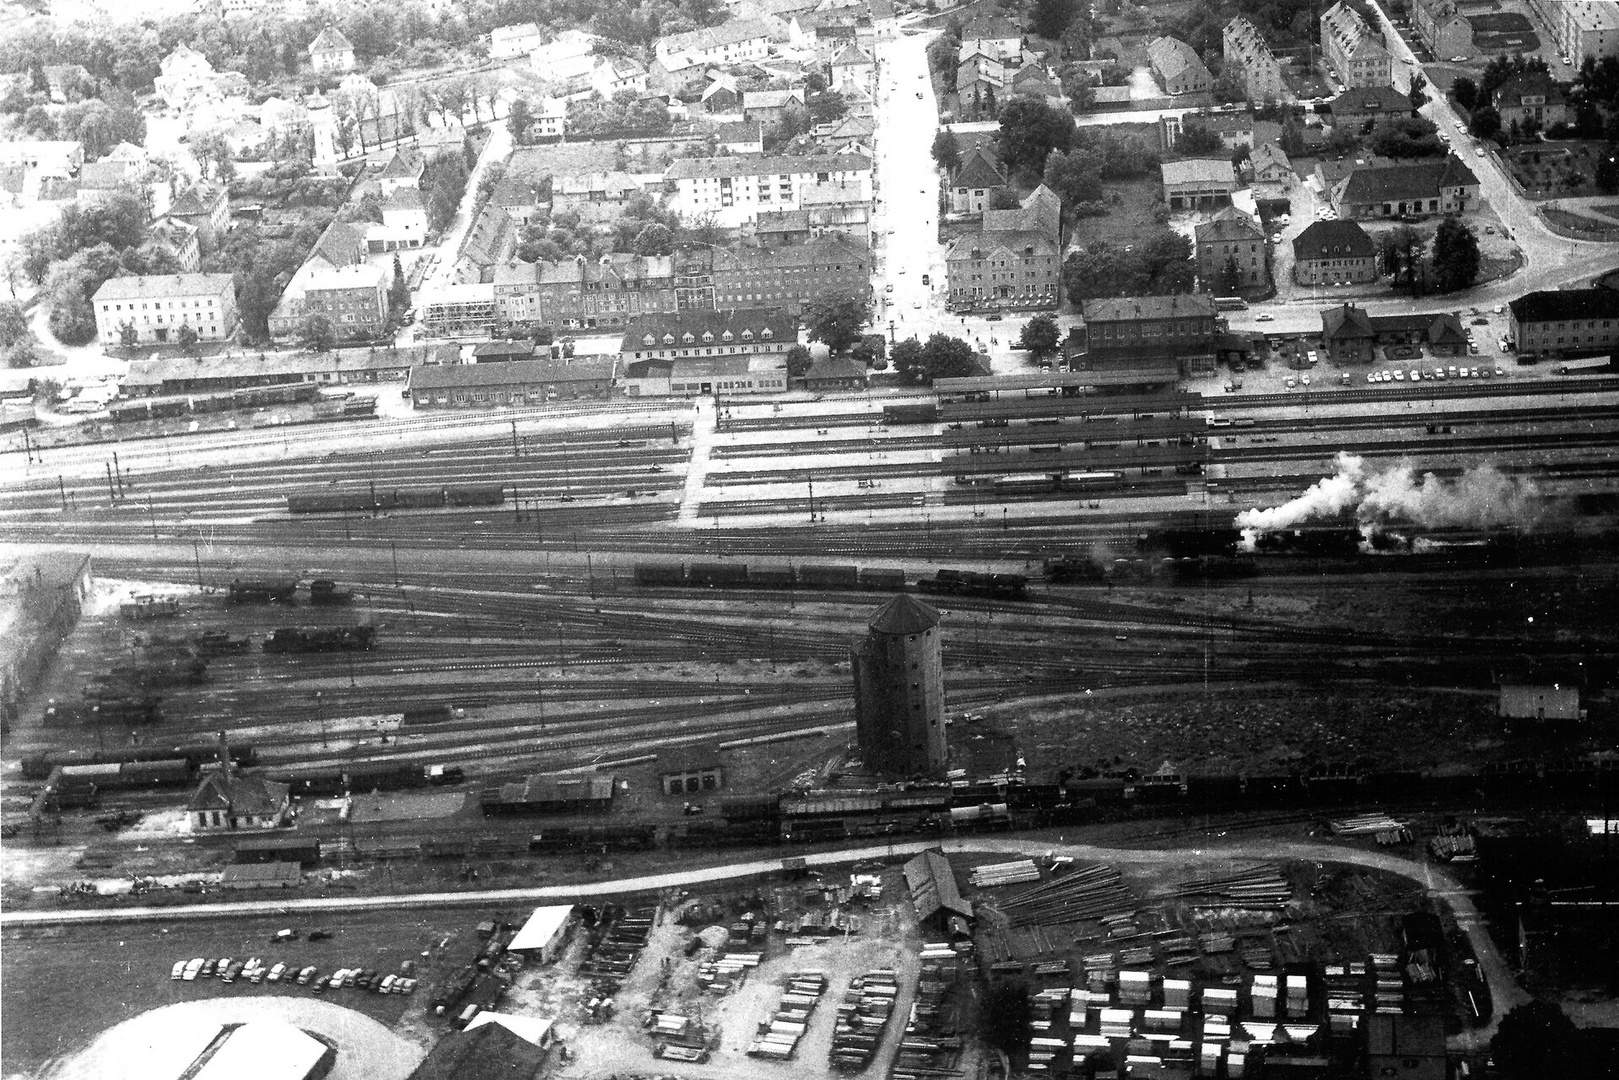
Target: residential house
1581, 28
1333, 252
490, 241
354, 299
523, 199
1244, 46
245, 138
1032, 80
1534, 98
994, 34
733, 190
1359, 106
184, 75
1018, 270
778, 228
853, 66
583, 294
1234, 129
180, 240
737, 41
1417, 188
721, 95
836, 210
132, 159
226, 801
516, 382
976, 182
851, 134
567, 57
980, 79
404, 170
206, 207
614, 75
1040, 211
1198, 183
1406, 1046
548, 120
342, 243
285, 119
741, 138
1178, 330
1443, 28
157, 306
330, 53
1232, 253
521, 39
1271, 165
100, 180
1354, 49
771, 107
597, 197
791, 276
1565, 322
42, 158
404, 222
1177, 67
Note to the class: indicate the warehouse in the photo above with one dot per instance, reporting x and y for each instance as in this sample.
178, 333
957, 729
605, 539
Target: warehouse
188, 375
939, 903
265, 1050
304, 850
535, 1029
552, 794
485, 1053
687, 769
261, 875
513, 382
545, 934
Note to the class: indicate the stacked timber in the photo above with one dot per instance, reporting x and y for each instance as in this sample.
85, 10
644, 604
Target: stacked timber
1364, 825
862, 1015
1096, 892
1260, 886
1017, 872
930, 1046
779, 1034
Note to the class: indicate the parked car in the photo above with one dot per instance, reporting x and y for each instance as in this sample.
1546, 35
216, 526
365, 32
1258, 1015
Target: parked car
276, 973
387, 984
178, 971
207, 971
1264, 316
339, 977
283, 935
306, 974
319, 935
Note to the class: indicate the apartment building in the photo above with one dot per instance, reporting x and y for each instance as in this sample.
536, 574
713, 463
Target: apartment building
732, 191
157, 306
1354, 49
1244, 46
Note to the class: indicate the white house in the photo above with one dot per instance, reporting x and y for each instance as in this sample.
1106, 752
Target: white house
506, 42
331, 52
404, 216
614, 75
736, 42
569, 55
733, 190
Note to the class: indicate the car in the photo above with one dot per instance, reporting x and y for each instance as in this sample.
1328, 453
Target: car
1385, 375
1484, 372
1284, 219
178, 972
919, 95
1371, 376
1312, 358
1458, 59
1443, 136
365, 977
280, 936
993, 318
306, 974
1345, 379
1489, 230
1276, 238
255, 969
1472, 348
1501, 343
1304, 380
207, 971
1568, 62
276, 973
1399, 376
222, 966
1291, 382
339, 978
926, 280
1264, 317
350, 976
387, 984
405, 986
1478, 151
888, 288
233, 971
1439, 373
1500, 372
1416, 375
1451, 371
319, 935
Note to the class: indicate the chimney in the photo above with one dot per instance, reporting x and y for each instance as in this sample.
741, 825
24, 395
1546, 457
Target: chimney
224, 756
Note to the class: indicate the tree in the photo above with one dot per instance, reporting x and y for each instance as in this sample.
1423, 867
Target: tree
945, 357
1400, 252
907, 358
1533, 1041
187, 337
947, 150
1607, 170
655, 238
1007, 1015
316, 334
798, 361
440, 211
518, 119
1195, 139
13, 323
39, 121
838, 319
1230, 276
1030, 131
1049, 18
1465, 91
1485, 122
71, 320
1417, 92
1072, 175
1405, 137
398, 291
1455, 255
1040, 335
128, 336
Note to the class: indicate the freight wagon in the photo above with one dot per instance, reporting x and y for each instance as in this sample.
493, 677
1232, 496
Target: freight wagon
307, 639
972, 583
129, 775
910, 414
809, 575
117, 712
263, 591
627, 837
370, 498
359, 777
39, 766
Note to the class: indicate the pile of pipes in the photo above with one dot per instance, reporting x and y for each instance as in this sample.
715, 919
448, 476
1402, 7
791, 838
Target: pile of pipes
1016, 872
1096, 892
1261, 886
779, 1035
862, 1015
1364, 825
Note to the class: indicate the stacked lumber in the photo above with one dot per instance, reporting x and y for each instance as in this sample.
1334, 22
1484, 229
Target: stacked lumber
778, 1035
930, 1047
609, 962
1008, 873
862, 1015
1096, 892
1452, 847
1260, 886
726, 972
1363, 825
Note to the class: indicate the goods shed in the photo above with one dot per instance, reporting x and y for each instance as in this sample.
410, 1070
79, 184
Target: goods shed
545, 934
536, 1029
483, 1054
935, 894
690, 769
304, 850
266, 1050
552, 794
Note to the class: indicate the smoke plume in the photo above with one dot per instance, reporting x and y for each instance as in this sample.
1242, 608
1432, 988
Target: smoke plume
1481, 497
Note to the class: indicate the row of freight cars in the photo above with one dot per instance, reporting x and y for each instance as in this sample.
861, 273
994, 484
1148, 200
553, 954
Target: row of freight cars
251, 397
371, 499
813, 576
322, 592
83, 784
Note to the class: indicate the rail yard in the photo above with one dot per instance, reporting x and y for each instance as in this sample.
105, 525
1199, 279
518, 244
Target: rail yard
497, 649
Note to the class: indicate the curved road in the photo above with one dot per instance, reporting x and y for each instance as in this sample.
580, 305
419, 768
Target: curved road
1503, 988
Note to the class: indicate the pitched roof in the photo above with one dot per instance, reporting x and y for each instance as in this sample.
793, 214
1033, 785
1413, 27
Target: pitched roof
511, 373
771, 99
1406, 181
933, 887
836, 367
1199, 171
198, 199
239, 795
1013, 241
330, 39
1131, 308
732, 32
1333, 240
850, 55
992, 27
516, 191
102, 175
405, 198
1511, 93
979, 170
1378, 99
818, 251
487, 237
404, 165
1562, 304
1228, 224
1172, 57
1347, 321
340, 244
150, 285
489, 1052
703, 168
904, 614
669, 330
1268, 154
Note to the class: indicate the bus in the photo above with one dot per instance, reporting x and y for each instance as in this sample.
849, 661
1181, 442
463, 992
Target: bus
1230, 303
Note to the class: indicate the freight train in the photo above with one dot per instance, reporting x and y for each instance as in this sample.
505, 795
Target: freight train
112, 711
252, 397
39, 766
811, 576
1023, 483
308, 639
370, 498
364, 776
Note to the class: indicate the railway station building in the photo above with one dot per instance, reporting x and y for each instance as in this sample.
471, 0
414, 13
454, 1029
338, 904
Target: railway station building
513, 382
1143, 331
899, 691
225, 801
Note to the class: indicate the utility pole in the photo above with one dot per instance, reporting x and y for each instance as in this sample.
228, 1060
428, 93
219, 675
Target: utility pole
27, 447
515, 453
393, 546
151, 516
119, 473
111, 494
61, 486
196, 555
811, 480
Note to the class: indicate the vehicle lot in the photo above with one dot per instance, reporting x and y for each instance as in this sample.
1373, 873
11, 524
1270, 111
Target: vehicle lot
65, 985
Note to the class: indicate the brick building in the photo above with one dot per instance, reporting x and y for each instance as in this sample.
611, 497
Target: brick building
1181, 328
1232, 243
788, 277
1354, 49
584, 294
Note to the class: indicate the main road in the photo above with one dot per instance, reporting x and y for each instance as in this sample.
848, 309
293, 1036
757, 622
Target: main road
1503, 988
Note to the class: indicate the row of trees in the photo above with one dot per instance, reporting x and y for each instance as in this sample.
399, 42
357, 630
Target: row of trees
1156, 264
99, 122
1448, 261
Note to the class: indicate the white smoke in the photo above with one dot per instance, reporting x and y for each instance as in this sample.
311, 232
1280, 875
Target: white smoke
1481, 497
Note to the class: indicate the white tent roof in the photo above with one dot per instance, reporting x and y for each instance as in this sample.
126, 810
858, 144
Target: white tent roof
532, 1028
541, 928
264, 1050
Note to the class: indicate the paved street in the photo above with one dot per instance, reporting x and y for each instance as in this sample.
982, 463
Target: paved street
907, 217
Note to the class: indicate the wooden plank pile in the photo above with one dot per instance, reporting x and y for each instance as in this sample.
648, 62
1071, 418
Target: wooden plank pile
727, 972
779, 1034
931, 1047
1017, 872
1096, 892
1453, 847
1260, 886
1364, 825
674, 1029
862, 1015
610, 961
